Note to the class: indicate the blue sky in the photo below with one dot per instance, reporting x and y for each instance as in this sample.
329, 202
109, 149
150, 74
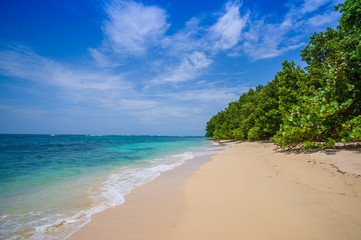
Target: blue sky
152, 67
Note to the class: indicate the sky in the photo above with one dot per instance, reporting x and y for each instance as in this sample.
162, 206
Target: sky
151, 67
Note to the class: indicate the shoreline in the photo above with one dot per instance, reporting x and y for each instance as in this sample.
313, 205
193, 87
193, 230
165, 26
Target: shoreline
146, 196
248, 191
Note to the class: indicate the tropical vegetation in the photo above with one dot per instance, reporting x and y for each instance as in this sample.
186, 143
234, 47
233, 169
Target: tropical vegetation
314, 106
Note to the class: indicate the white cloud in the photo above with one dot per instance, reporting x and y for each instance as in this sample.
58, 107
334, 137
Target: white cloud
226, 32
24, 63
130, 29
103, 60
257, 52
322, 19
165, 111
265, 39
187, 70
24, 111
186, 40
262, 40
312, 5
196, 44
136, 105
133, 29
92, 93
219, 95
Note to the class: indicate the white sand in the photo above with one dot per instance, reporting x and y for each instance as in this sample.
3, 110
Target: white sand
246, 192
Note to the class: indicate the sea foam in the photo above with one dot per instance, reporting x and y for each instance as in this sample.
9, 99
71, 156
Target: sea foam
143, 162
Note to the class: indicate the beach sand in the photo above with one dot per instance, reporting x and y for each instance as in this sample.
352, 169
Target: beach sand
249, 191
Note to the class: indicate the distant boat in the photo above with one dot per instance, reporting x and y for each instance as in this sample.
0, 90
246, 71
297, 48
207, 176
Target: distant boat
52, 135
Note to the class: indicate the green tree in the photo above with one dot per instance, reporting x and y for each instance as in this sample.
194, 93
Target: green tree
329, 107
321, 103
291, 84
268, 114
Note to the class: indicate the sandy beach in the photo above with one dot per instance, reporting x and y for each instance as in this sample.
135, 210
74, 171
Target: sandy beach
249, 191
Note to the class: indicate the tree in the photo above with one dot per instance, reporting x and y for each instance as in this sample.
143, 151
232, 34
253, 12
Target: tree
316, 106
330, 107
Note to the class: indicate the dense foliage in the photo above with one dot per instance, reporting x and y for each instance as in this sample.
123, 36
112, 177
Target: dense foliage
315, 106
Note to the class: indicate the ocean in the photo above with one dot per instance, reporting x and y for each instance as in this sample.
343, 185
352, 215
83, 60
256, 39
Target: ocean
50, 185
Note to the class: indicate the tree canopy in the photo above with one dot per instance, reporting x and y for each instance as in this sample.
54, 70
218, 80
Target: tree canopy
315, 106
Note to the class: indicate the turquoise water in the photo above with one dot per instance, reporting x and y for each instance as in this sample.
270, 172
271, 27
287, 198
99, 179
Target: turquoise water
52, 184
